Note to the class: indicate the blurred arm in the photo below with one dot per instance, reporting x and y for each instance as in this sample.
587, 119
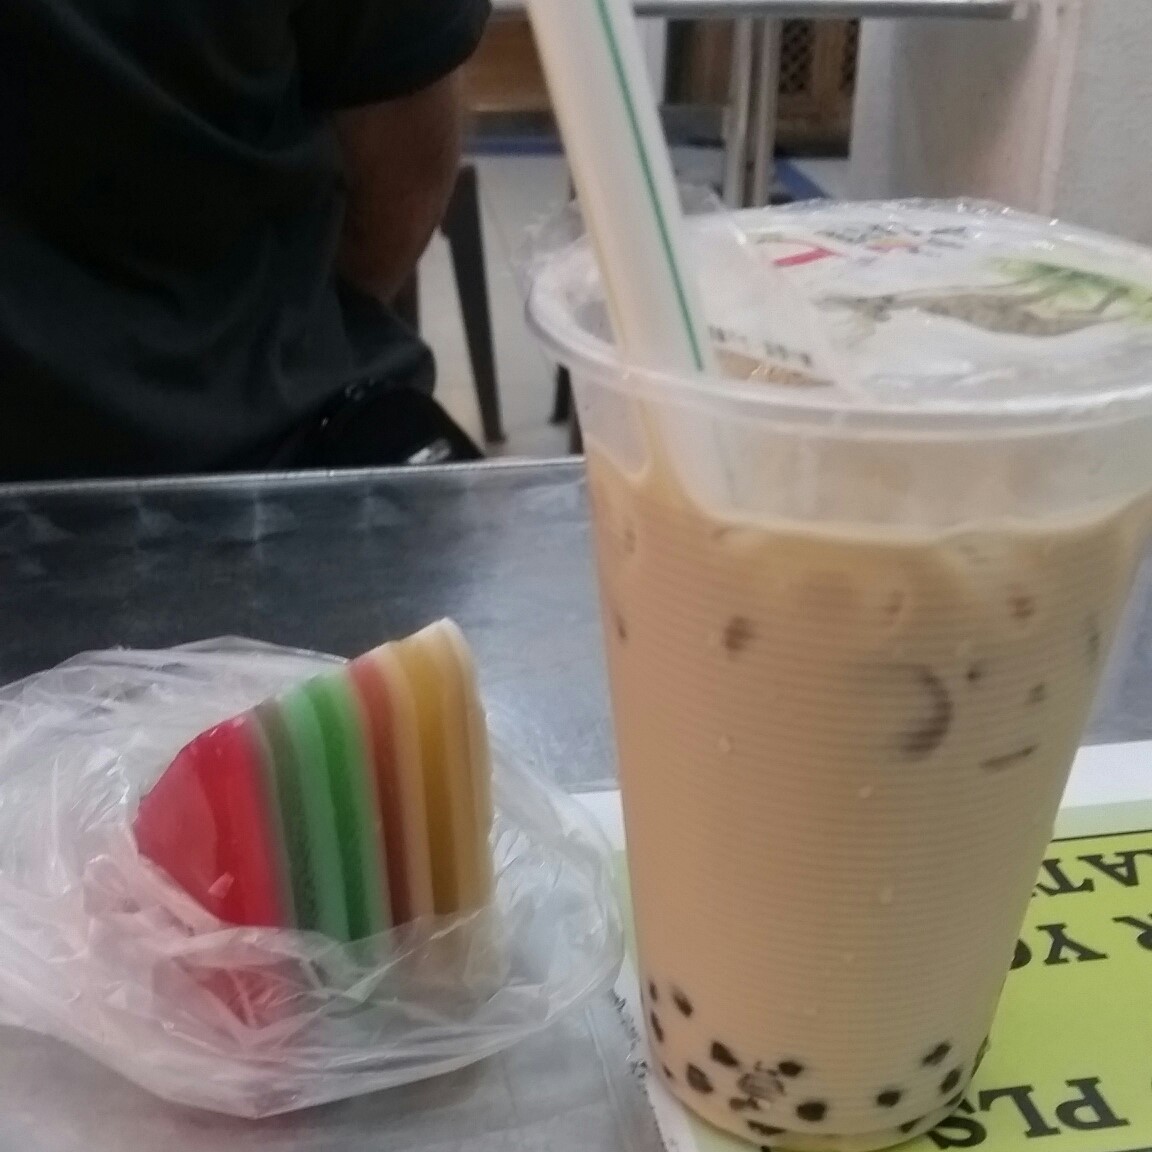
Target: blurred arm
400, 161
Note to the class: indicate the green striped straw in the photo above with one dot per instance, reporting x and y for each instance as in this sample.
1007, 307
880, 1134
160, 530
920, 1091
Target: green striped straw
623, 173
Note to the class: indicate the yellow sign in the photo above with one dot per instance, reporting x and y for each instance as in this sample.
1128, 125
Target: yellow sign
1070, 1066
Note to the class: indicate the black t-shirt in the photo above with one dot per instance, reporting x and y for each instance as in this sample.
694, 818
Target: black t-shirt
171, 202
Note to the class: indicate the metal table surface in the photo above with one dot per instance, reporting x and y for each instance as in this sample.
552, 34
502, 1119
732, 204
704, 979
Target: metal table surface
333, 563
337, 563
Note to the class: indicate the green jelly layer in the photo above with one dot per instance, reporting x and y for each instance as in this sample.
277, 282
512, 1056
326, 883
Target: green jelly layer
312, 830
356, 804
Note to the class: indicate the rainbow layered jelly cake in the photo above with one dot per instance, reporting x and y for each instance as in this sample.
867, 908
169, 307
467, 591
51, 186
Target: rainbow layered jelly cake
357, 802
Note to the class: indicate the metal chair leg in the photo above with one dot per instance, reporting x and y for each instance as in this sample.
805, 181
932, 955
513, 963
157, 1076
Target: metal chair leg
564, 412
575, 434
466, 241
562, 404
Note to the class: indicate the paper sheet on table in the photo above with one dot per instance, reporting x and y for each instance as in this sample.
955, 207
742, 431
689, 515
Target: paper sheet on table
1070, 1066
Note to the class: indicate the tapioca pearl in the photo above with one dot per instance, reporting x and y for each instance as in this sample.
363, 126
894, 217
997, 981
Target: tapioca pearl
683, 1004
762, 1083
722, 1054
698, 1080
937, 1056
790, 1068
949, 1083
1022, 605
739, 635
619, 626
812, 1111
931, 711
1038, 694
893, 606
977, 672
657, 1027
889, 1098
1009, 760
744, 1104
668, 1075
759, 1129
1094, 646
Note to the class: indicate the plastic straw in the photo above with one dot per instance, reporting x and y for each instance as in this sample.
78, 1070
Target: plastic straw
623, 173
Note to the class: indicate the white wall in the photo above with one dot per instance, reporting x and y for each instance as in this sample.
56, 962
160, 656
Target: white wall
1052, 113
1106, 178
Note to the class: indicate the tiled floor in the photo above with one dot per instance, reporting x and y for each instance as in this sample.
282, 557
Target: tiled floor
518, 192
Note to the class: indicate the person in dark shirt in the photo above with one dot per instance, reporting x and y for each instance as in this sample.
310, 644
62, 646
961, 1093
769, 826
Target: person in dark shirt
205, 207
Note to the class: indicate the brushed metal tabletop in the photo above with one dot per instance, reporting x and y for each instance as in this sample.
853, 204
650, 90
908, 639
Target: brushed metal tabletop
334, 563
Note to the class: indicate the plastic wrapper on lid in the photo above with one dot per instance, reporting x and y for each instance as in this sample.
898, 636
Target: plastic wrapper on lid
101, 950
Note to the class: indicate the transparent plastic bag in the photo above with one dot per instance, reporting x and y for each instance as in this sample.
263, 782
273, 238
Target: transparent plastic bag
99, 949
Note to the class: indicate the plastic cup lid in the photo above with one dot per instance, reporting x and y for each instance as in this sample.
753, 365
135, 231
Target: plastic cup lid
947, 309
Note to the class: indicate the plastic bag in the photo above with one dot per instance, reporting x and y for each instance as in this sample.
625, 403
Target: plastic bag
100, 949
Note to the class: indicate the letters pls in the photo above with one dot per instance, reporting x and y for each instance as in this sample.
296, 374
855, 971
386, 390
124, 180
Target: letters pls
991, 1111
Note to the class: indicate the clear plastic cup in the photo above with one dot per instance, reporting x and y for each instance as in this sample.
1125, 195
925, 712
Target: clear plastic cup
854, 631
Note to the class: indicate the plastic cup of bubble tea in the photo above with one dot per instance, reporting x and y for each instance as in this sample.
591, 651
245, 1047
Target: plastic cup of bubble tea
854, 630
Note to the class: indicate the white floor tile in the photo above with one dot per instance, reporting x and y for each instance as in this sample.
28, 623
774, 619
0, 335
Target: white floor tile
830, 175
442, 327
519, 193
